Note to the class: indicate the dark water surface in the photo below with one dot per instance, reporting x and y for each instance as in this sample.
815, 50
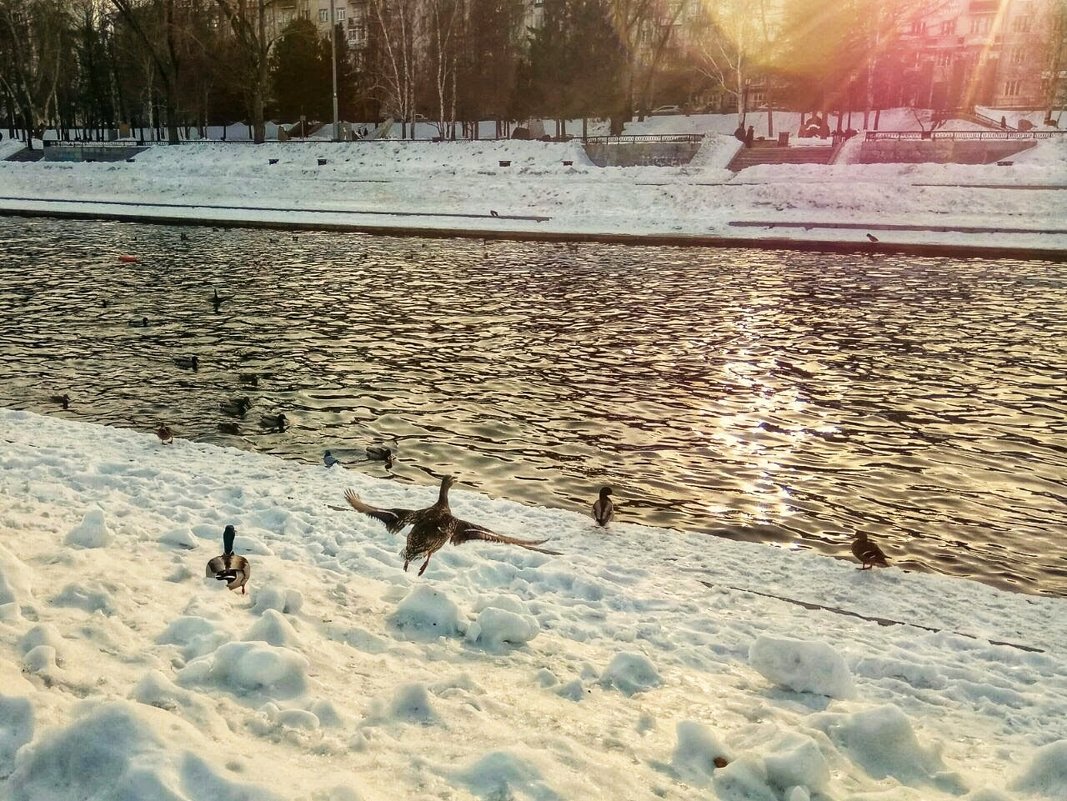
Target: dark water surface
774, 396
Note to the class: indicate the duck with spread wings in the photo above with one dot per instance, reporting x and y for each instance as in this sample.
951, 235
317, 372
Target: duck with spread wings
435, 526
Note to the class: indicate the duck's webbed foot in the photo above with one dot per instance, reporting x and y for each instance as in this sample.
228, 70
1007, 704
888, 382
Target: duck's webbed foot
424, 565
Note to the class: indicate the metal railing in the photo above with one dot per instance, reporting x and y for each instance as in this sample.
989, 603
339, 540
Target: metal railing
115, 143
632, 139
872, 136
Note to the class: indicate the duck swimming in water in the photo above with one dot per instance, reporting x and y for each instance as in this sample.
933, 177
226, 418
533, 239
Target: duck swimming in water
603, 508
166, 436
236, 406
251, 379
435, 526
277, 423
63, 400
187, 362
142, 323
229, 428
868, 553
229, 567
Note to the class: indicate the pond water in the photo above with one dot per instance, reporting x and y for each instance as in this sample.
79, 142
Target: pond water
776, 396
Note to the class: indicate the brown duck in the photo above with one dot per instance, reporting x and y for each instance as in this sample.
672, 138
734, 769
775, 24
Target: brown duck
603, 508
166, 436
229, 567
867, 552
433, 527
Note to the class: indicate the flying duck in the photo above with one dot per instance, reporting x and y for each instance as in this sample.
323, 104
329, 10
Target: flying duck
217, 300
867, 552
187, 362
229, 567
275, 422
63, 400
435, 526
236, 406
603, 508
166, 436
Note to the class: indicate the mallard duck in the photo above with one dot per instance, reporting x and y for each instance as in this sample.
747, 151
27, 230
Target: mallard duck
251, 379
63, 400
166, 436
603, 508
868, 553
380, 453
236, 406
229, 428
330, 460
142, 323
229, 567
275, 422
187, 362
434, 526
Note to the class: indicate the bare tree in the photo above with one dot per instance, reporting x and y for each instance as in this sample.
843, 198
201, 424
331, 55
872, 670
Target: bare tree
248, 21
395, 23
443, 25
159, 25
33, 46
1054, 68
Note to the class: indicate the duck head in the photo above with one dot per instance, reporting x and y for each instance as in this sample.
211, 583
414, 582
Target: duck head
228, 535
605, 492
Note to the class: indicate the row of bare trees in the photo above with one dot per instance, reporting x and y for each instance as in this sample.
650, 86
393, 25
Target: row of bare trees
86, 65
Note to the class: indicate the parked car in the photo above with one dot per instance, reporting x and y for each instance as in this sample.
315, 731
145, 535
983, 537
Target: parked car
662, 110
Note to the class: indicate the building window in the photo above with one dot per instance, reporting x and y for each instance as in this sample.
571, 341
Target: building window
948, 27
944, 58
980, 24
340, 14
324, 15
305, 13
1018, 55
918, 27
1011, 88
1021, 24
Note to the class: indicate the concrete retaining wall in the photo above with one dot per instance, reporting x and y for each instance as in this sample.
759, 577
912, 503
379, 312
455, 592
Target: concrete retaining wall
939, 151
90, 153
642, 154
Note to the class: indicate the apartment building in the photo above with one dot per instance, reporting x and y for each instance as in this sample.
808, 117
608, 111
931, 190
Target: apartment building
984, 52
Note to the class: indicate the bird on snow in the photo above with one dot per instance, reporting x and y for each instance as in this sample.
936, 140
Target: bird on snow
187, 362
229, 567
872, 237
166, 436
492, 213
867, 552
63, 400
275, 422
435, 526
330, 460
603, 508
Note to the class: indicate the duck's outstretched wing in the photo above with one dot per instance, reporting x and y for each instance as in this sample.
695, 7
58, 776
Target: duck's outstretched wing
462, 532
394, 519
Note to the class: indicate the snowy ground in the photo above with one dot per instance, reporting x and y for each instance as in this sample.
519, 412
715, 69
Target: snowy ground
640, 664
459, 185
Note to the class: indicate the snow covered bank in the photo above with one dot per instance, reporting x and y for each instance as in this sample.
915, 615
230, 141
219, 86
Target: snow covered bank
465, 185
641, 664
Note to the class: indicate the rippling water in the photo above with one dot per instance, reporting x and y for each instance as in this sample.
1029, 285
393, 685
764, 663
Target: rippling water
774, 396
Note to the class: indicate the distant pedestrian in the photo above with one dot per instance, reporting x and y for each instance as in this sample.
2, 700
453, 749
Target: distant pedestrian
750, 136
1004, 122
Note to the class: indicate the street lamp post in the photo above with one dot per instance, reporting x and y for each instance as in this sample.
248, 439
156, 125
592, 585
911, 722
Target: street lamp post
333, 52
